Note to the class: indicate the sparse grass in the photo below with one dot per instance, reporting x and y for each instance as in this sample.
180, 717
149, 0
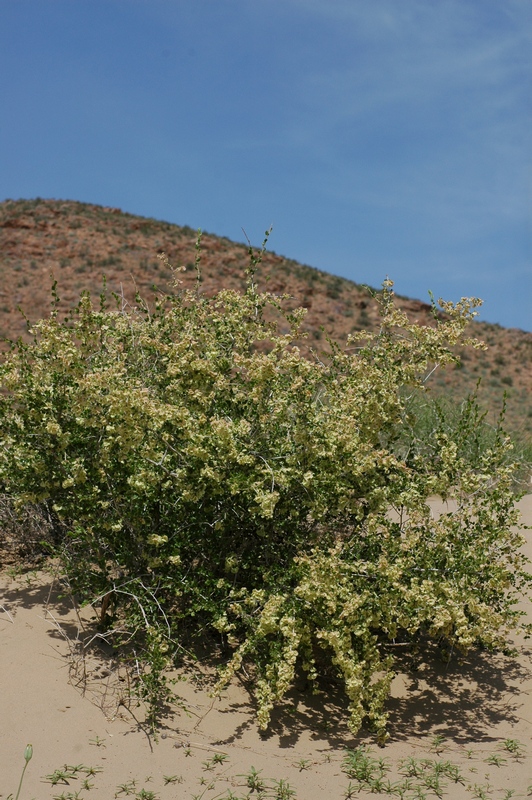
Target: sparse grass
68, 772
412, 778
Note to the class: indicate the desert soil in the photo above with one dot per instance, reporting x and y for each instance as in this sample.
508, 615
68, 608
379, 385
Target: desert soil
476, 715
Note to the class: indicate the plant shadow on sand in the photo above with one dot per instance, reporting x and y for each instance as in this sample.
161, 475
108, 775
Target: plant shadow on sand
36, 589
468, 698
301, 715
79, 642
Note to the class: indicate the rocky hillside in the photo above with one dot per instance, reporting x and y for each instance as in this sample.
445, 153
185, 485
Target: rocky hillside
76, 243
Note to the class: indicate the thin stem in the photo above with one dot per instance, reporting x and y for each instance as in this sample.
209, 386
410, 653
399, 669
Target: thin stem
21, 779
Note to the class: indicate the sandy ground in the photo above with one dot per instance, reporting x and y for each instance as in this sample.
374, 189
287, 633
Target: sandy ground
477, 717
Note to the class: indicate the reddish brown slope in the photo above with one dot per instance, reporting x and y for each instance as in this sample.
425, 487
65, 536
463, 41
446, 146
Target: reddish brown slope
77, 243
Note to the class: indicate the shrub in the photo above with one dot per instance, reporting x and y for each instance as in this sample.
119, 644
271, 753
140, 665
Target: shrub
208, 477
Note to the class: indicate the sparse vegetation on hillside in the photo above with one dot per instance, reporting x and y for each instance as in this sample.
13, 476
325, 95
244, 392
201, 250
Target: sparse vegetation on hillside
77, 242
208, 479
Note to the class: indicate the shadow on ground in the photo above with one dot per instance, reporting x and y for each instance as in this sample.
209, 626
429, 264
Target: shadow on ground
467, 699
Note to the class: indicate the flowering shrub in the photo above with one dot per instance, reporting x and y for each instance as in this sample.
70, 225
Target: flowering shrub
206, 475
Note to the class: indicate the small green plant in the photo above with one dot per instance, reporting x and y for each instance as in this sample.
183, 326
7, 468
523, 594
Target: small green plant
62, 775
172, 779
282, 790
419, 793
403, 787
427, 774
370, 772
410, 767
433, 782
495, 759
254, 780
481, 792
91, 771
28, 753
449, 770
146, 794
69, 772
220, 758
514, 746
128, 788
438, 743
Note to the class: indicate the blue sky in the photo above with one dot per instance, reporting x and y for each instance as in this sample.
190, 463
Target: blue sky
378, 137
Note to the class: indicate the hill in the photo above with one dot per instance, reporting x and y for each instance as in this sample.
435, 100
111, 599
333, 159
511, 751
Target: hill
76, 243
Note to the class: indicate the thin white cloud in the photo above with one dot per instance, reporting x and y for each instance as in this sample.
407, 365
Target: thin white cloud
446, 75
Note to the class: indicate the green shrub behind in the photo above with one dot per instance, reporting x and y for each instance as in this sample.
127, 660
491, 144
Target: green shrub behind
207, 476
